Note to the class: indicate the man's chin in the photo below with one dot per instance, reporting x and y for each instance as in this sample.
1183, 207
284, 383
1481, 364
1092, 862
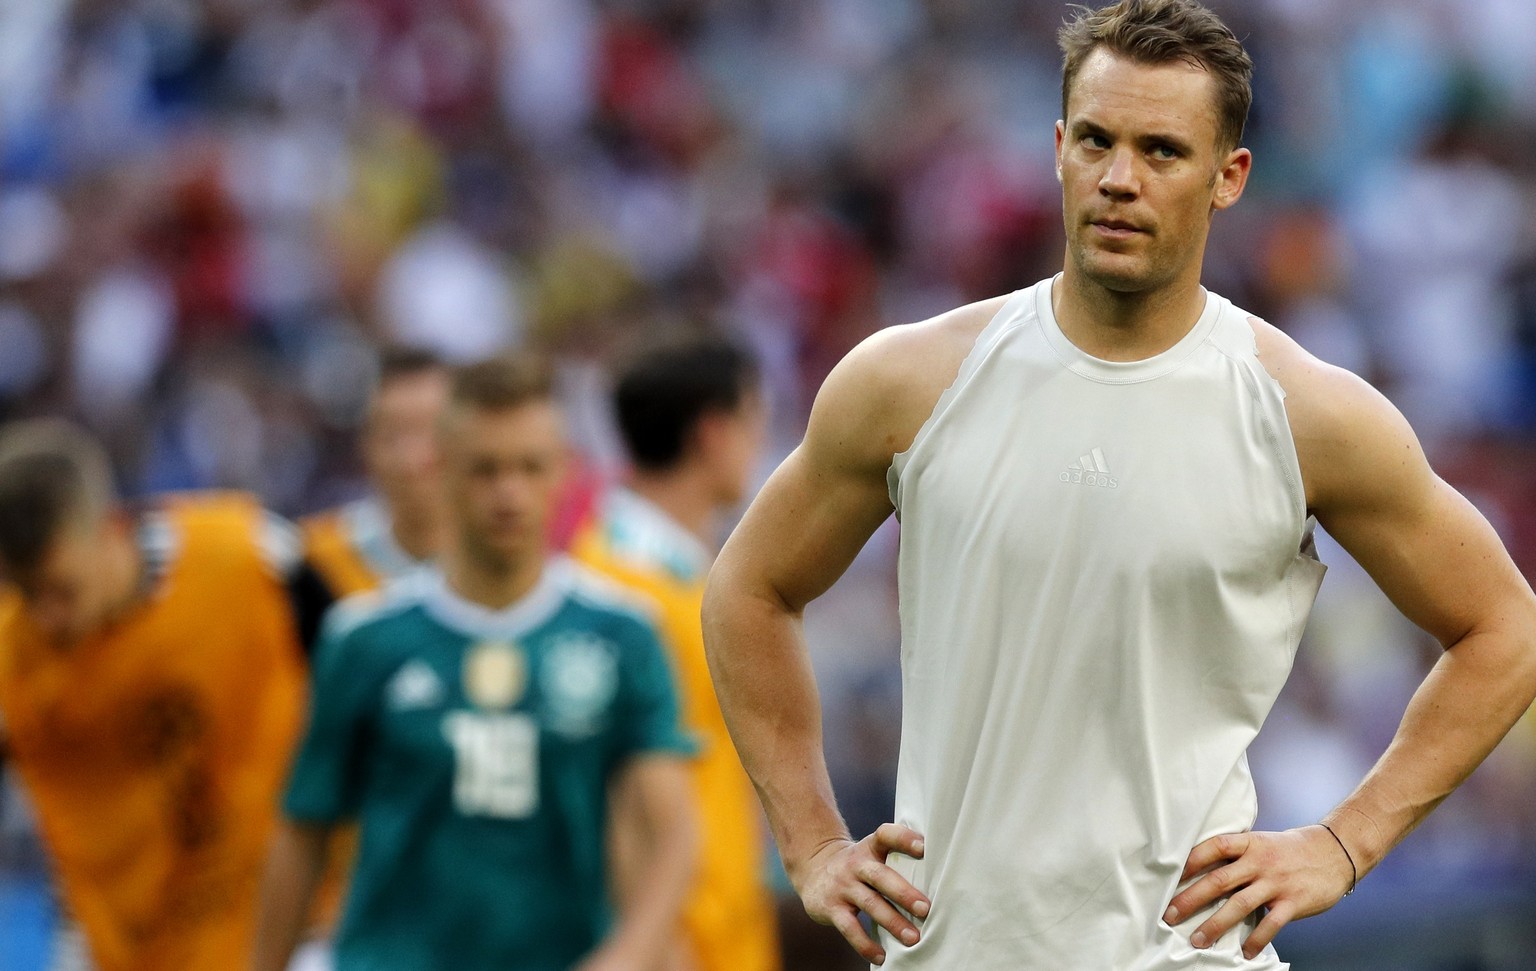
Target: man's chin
418, 506
507, 552
1118, 273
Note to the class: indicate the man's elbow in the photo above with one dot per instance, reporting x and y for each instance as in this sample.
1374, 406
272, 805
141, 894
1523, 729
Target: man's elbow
737, 595
1525, 653
1514, 664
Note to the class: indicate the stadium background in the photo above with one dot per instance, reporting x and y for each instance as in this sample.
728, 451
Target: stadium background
213, 211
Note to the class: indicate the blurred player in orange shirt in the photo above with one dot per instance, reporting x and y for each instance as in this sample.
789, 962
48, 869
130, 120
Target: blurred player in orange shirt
377, 539
152, 683
693, 419
381, 537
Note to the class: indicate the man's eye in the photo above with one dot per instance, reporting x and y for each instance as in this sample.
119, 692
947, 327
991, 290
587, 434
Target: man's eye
1096, 141
1165, 152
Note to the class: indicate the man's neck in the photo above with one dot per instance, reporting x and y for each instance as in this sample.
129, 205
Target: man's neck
1116, 326
124, 572
495, 586
418, 535
684, 495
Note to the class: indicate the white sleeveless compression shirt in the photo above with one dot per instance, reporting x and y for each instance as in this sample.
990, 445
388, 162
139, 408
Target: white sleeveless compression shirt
1105, 570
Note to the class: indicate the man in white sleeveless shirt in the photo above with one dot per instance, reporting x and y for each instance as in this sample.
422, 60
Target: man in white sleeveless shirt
1107, 484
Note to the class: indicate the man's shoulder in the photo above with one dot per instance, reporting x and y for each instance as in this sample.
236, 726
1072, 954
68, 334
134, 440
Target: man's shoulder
1346, 432
389, 614
879, 396
1318, 395
216, 519
923, 351
218, 527
221, 507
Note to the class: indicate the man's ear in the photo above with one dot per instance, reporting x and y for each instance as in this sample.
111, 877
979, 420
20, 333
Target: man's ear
1232, 178
703, 433
1061, 134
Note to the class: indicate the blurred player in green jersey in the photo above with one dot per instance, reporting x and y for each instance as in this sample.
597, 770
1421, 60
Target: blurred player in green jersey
476, 720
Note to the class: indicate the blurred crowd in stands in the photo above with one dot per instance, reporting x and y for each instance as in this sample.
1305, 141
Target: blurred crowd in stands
213, 212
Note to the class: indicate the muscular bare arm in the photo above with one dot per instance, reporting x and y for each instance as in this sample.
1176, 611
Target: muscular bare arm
815, 513
1440, 562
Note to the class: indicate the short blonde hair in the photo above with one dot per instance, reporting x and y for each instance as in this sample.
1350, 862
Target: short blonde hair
504, 381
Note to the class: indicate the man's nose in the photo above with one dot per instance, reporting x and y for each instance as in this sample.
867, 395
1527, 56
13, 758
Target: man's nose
1120, 176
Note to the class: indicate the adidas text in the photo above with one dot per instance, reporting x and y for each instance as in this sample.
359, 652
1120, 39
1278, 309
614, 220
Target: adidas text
1091, 470
1084, 477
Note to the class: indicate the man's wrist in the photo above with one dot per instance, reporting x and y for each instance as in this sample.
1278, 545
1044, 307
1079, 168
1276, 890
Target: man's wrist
1360, 837
1354, 873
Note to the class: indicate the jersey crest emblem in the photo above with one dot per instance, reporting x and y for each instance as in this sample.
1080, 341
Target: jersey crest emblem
579, 678
495, 675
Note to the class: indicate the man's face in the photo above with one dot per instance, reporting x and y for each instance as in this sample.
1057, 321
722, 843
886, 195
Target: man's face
502, 470
732, 441
69, 595
1141, 171
400, 444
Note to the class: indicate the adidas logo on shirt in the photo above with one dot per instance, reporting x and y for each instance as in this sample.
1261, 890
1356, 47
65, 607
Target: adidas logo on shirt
414, 686
1090, 470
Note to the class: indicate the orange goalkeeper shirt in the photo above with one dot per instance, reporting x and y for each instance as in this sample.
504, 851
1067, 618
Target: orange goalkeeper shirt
729, 916
154, 752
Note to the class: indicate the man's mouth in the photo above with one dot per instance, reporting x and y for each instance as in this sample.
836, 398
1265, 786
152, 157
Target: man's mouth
1115, 228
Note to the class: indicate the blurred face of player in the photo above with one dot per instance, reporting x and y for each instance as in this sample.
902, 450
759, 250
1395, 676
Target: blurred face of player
1141, 172
83, 579
731, 443
400, 444
502, 469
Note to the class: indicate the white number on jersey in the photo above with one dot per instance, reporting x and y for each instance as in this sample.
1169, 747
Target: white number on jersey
497, 758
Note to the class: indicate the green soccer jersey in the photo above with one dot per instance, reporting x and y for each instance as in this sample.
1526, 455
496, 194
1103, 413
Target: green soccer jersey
475, 748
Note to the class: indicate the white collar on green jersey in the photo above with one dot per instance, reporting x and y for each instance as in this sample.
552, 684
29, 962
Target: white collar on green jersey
476, 620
